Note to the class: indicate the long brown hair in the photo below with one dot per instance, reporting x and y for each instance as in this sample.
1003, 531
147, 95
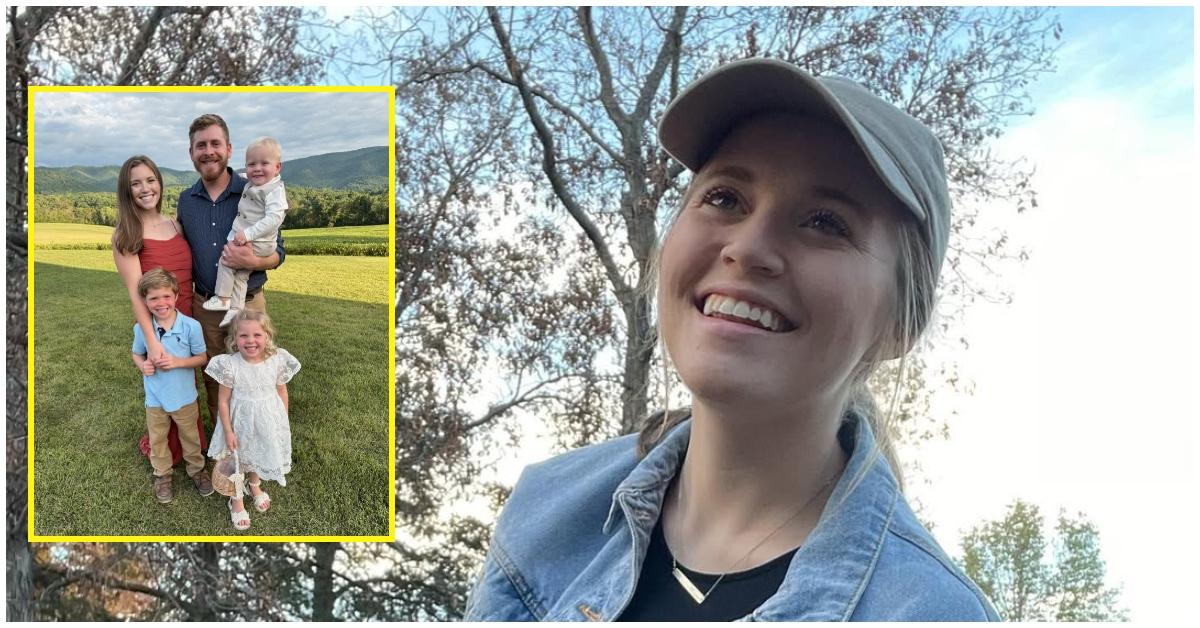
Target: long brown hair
127, 237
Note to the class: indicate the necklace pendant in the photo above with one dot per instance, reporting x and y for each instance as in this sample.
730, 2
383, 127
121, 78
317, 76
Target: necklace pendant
689, 586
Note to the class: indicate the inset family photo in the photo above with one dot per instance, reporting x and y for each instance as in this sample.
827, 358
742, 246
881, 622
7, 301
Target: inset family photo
210, 289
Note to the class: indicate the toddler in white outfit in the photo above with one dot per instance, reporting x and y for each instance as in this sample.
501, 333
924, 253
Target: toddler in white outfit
260, 214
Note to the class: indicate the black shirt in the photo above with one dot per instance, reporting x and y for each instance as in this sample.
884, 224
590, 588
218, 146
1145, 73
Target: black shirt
660, 597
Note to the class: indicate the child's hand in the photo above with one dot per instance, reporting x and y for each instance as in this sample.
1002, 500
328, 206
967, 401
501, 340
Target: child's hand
148, 367
239, 238
167, 362
231, 440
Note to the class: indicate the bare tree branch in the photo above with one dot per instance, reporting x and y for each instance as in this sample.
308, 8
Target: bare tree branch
550, 165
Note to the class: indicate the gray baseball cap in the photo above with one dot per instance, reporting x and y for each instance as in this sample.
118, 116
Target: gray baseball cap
904, 153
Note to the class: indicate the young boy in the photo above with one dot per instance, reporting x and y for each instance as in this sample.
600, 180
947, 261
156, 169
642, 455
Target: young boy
170, 382
260, 214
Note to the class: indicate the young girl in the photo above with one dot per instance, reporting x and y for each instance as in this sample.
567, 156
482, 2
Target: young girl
253, 407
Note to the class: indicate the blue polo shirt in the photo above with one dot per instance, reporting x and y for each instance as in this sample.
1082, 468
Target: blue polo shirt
206, 223
173, 389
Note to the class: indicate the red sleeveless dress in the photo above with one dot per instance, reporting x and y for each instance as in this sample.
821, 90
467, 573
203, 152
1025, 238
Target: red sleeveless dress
175, 257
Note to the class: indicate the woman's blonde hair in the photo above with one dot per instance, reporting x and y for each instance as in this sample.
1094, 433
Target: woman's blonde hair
127, 236
251, 315
916, 285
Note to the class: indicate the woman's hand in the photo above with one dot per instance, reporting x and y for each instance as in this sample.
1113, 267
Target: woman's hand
155, 350
166, 362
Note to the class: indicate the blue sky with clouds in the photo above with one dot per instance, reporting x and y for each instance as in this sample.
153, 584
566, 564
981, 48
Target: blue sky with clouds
105, 128
1145, 53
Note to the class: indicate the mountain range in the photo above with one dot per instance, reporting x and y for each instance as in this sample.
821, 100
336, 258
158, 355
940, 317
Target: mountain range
359, 169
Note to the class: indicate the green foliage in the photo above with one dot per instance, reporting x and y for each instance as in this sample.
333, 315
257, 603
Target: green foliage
363, 240
1007, 559
363, 169
310, 207
90, 208
324, 207
1079, 577
369, 240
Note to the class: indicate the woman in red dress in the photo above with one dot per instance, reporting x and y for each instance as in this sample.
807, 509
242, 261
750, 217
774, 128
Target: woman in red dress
145, 239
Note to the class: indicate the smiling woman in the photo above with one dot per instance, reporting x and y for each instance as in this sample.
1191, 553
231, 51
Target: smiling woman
145, 239
805, 252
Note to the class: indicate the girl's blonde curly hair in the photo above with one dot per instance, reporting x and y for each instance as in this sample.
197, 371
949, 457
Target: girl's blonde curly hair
251, 315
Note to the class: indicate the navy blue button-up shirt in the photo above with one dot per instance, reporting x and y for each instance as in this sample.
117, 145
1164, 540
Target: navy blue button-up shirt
206, 224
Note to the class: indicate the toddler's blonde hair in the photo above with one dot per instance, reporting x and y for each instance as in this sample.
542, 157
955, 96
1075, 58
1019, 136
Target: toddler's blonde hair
268, 143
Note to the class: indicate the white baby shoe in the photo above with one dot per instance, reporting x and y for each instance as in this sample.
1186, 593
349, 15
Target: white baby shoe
214, 304
228, 318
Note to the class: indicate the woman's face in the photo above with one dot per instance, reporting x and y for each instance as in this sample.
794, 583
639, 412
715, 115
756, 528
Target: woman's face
778, 275
145, 187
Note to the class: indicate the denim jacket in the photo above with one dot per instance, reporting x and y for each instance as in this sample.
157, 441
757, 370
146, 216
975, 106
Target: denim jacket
570, 542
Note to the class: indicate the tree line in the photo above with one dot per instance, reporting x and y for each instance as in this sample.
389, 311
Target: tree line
309, 207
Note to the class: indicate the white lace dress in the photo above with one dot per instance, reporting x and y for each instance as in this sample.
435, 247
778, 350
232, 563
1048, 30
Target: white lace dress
259, 418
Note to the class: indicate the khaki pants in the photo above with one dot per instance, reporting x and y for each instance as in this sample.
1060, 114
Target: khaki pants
231, 283
214, 341
158, 423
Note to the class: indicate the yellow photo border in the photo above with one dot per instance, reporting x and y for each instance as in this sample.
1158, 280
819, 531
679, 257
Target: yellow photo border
32, 537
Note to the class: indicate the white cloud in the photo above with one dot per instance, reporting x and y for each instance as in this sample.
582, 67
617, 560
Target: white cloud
105, 128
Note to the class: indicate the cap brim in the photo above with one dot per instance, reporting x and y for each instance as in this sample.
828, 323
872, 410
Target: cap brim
704, 113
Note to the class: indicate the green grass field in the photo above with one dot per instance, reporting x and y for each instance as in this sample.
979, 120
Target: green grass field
90, 479
66, 235
365, 234
366, 240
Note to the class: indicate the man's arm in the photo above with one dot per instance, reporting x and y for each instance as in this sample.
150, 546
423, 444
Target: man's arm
243, 258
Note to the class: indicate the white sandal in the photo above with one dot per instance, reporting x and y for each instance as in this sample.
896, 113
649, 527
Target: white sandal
261, 498
240, 518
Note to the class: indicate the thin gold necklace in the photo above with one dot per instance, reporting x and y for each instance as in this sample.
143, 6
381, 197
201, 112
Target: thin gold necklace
691, 587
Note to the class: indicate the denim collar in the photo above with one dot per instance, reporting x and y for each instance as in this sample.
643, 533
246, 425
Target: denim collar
829, 572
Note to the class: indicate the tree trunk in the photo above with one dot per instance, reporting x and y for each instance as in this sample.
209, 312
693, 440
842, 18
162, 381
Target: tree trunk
207, 593
639, 348
323, 594
23, 28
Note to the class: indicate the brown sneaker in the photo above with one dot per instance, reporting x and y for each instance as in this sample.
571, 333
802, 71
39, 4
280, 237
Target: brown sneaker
162, 489
203, 483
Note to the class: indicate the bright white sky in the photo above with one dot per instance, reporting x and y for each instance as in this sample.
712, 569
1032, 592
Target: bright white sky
106, 128
1084, 386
